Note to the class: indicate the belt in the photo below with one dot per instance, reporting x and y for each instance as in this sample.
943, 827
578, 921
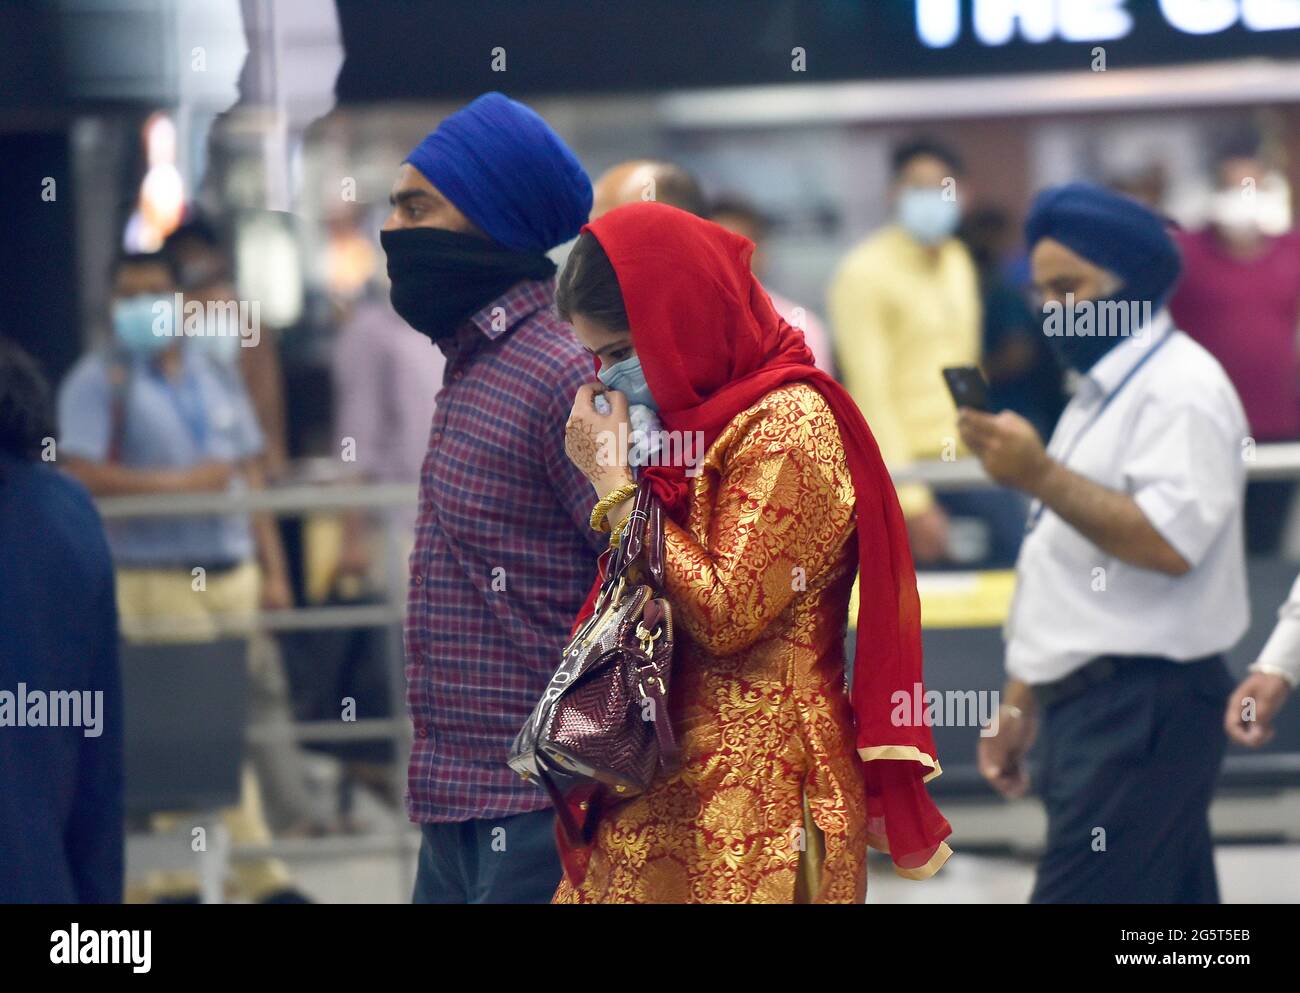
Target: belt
218, 568
210, 568
1096, 672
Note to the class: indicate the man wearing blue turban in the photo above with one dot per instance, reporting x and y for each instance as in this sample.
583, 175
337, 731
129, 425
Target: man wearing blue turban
503, 552
1131, 583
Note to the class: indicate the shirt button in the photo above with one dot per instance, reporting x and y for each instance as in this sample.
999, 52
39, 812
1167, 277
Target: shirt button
417, 579
422, 731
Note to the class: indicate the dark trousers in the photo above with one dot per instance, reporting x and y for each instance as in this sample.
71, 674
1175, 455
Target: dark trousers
506, 860
1128, 770
1268, 502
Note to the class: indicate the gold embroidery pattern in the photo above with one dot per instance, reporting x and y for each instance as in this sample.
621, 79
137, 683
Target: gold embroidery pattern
760, 580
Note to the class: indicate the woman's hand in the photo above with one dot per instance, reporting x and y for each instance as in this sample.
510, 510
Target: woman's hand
598, 443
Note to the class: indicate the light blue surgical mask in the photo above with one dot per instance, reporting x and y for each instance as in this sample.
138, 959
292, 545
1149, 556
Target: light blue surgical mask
928, 215
219, 340
628, 379
135, 320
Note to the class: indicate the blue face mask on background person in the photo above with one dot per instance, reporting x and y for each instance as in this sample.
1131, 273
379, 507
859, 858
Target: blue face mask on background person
133, 324
220, 339
628, 379
927, 215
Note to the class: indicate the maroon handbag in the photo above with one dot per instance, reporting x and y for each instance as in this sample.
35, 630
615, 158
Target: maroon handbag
603, 719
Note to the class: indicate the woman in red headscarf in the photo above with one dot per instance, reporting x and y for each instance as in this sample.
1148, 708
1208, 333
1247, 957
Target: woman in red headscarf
785, 778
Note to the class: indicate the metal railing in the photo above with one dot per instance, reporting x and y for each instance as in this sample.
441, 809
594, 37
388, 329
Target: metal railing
296, 501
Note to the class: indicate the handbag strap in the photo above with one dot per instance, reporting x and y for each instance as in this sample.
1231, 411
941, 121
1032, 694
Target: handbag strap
654, 543
643, 537
653, 688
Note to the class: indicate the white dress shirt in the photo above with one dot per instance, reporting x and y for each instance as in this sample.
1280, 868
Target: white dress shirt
1155, 418
1281, 655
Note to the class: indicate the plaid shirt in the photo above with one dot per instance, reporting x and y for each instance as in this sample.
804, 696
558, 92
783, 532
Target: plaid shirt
503, 555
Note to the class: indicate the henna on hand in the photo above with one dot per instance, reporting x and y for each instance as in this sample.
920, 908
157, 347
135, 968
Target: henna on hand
583, 448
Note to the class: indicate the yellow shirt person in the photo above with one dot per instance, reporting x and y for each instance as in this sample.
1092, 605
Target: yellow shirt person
903, 304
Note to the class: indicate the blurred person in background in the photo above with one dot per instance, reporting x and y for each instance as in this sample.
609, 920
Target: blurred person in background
60, 787
641, 180
785, 778
503, 547
745, 219
200, 257
1240, 298
1262, 694
1022, 372
644, 180
160, 413
1131, 583
386, 377
204, 271
903, 305
1147, 183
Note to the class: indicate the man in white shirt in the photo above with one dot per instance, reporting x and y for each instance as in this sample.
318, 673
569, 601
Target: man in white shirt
1131, 580
1263, 693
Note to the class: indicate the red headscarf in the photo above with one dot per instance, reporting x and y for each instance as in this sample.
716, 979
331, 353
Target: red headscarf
711, 345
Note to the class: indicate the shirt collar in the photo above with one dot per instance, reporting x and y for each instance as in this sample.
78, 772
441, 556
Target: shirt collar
510, 309
517, 303
1111, 368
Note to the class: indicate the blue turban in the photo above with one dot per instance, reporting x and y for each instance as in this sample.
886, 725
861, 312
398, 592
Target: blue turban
1112, 231
508, 172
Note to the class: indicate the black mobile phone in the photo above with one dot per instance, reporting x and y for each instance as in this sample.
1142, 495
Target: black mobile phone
967, 386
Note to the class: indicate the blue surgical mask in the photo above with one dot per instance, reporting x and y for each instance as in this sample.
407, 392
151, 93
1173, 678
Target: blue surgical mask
928, 215
628, 379
134, 322
219, 340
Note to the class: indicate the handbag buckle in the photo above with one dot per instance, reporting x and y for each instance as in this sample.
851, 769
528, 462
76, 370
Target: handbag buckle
647, 638
656, 680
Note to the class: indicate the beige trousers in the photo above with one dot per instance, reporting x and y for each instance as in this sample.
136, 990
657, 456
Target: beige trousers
166, 605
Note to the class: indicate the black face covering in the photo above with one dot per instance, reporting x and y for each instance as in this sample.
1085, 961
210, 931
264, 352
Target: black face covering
1082, 352
441, 278
1144, 293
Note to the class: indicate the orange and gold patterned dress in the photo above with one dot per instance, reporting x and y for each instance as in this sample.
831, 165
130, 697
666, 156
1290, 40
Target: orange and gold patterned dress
759, 581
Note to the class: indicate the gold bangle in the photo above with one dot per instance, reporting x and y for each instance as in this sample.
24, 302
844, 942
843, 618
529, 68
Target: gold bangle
605, 504
617, 532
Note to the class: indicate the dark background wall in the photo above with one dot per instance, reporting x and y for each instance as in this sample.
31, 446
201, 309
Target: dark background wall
405, 50
38, 272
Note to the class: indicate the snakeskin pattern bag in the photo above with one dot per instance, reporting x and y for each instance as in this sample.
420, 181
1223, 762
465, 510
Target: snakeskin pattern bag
604, 716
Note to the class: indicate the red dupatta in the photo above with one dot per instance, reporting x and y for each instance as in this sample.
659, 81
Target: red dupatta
711, 345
